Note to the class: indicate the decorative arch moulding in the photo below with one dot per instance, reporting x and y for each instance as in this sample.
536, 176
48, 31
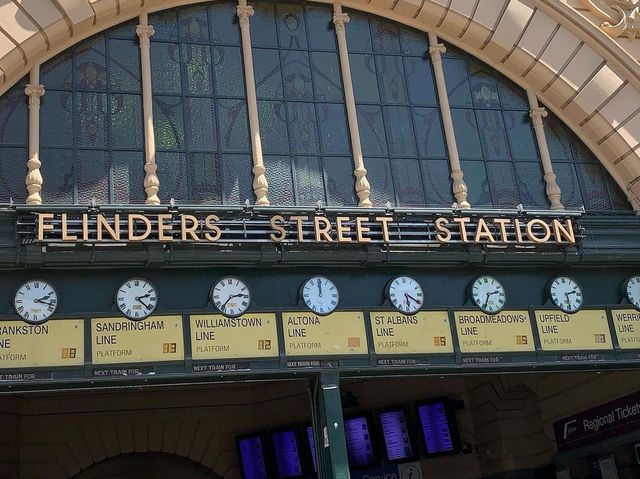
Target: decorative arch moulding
621, 18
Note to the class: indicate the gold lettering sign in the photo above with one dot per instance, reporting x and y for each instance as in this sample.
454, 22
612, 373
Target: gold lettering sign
214, 336
307, 334
627, 326
508, 331
584, 330
59, 342
120, 340
422, 333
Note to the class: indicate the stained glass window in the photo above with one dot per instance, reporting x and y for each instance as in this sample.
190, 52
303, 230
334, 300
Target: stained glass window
14, 119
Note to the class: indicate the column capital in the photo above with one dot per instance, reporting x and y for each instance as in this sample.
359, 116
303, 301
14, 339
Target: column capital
538, 113
32, 90
144, 32
437, 49
244, 12
339, 20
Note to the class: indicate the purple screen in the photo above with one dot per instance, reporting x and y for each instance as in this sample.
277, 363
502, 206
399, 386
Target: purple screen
396, 435
435, 427
252, 458
286, 451
359, 447
312, 446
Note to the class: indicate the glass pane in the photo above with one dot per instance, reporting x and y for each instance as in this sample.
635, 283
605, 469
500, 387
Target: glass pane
618, 199
126, 31
58, 105
391, 79
429, 135
280, 180
594, 187
358, 35
520, 133
263, 25
408, 181
308, 180
326, 76
385, 36
483, 86
334, 132
127, 170
296, 75
437, 182
168, 122
580, 151
320, 27
464, 125
340, 181
196, 60
371, 126
223, 23
380, 179
228, 70
124, 65
458, 91
58, 167
201, 123
267, 73
165, 68
414, 42
568, 183
89, 65
14, 116
531, 184
397, 122
303, 131
13, 171
291, 26
363, 69
91, 118
511, 95
93, 176
193, 25
165, 25
557, 138
272, 116
126, 121
57, 72
502, 181
236, 179
492, 135
232, 121
420, 81
475, 177
172, 169
205, 178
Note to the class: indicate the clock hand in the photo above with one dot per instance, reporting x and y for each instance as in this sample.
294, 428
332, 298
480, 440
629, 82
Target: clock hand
43, 302
408, 296
40, 300
139, 300
320, 288
239, 295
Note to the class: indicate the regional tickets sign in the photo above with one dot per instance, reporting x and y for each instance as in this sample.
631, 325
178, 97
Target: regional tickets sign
55, 343
508, 331
425, 332
307, 334
585, 330
120, 340
627, 324
214, 336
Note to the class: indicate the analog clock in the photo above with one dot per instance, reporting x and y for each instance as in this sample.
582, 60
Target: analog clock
231, 296
488, 294
35, 301
320, 295
566, 294
136, 298
631, 289
405, 294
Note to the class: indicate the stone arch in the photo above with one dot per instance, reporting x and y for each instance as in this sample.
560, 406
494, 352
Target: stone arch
581, 74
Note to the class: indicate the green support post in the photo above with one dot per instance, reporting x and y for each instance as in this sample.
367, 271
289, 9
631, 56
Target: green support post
331, 444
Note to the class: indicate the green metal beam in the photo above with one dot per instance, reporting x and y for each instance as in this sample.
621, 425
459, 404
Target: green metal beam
330, 438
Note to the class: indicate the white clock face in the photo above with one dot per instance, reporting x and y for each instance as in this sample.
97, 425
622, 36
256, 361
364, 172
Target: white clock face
231, 296
632, 290
136, 298
566, 294
320, 295
35, 301
488, 294
406, 295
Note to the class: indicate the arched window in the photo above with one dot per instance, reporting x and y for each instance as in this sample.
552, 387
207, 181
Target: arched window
13, 143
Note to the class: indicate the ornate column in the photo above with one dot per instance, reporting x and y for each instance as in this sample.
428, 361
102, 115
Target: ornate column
459, 186
260, 184
537, 113
363, 189
151, 181
34, 90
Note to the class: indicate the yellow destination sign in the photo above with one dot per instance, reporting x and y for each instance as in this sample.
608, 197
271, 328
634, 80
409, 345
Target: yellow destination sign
214, 336
508, 331
120, 340
306, 334
59, 342
584, 330
627, 324
421, 333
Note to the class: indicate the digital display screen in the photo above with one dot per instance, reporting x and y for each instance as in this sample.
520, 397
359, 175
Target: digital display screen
252, 458
312, 446
435, 427
396, 434
285, 447
359, 447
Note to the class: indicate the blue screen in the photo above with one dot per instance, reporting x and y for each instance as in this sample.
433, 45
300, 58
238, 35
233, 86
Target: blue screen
252, 458
359, 448
287, 455
435, 427
312, 445
396, 435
